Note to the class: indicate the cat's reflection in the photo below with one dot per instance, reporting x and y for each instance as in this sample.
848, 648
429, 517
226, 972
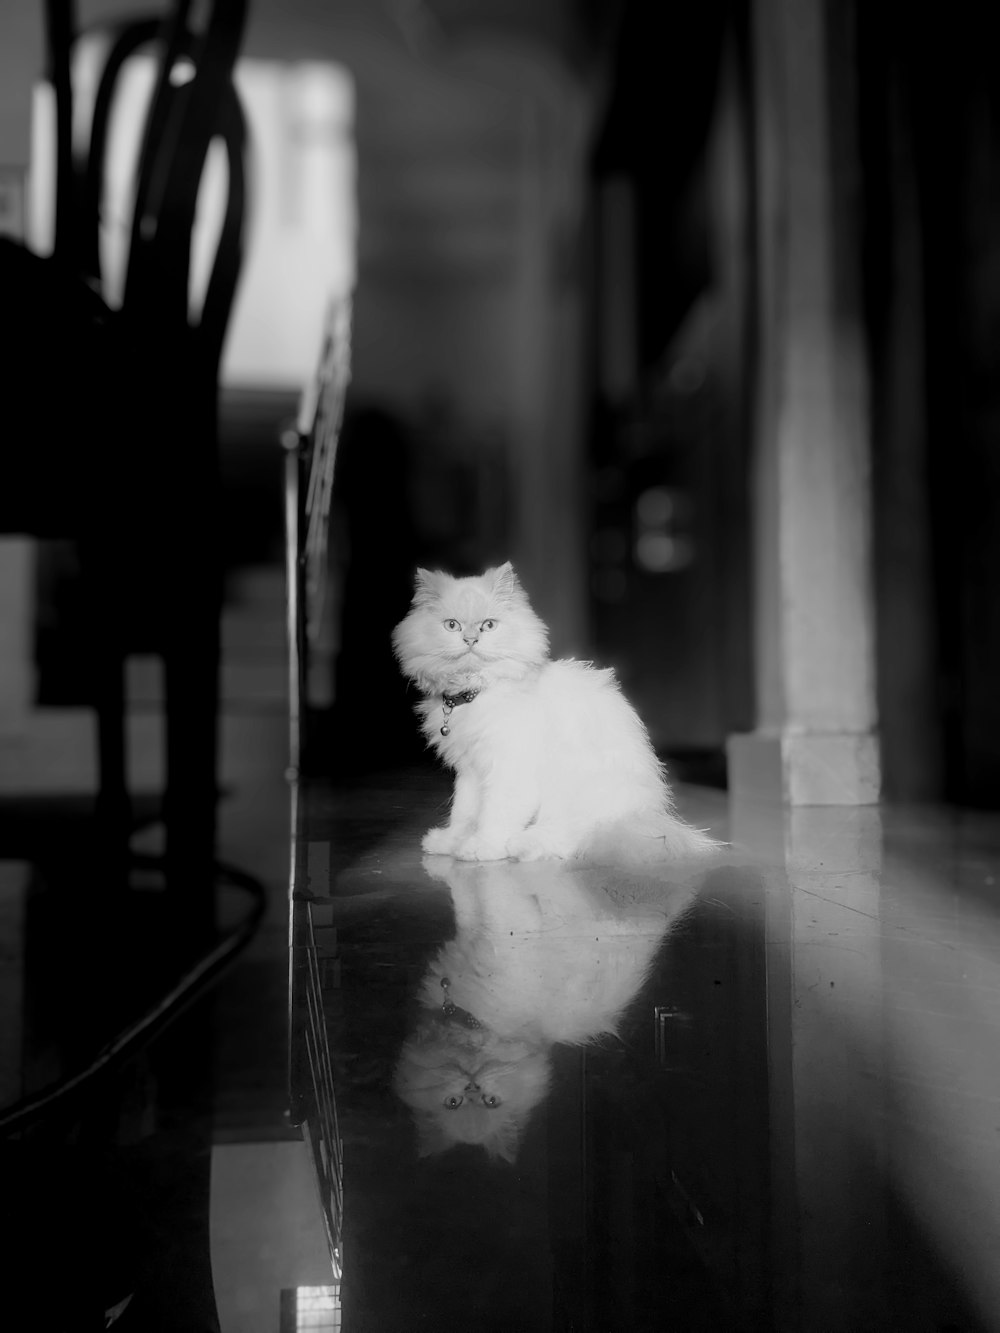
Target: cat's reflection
544, 952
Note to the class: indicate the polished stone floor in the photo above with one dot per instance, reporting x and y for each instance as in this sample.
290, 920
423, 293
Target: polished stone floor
759, 1095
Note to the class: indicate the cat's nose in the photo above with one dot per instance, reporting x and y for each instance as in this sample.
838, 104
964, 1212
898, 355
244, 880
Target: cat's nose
471, 1086
471, 639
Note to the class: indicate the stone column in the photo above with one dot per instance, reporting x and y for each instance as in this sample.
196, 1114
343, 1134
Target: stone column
815, 741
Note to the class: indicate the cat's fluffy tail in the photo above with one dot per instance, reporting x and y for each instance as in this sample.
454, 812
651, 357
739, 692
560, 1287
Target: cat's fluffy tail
647, 839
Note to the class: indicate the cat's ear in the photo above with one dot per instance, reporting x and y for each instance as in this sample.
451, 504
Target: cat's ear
426, 586
506, 584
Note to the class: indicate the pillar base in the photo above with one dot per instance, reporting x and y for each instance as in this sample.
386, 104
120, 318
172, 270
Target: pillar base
805, 768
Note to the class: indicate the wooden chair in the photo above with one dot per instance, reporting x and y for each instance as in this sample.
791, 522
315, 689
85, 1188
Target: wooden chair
109, 425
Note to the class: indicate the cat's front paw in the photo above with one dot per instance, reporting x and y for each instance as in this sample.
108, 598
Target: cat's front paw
477, 848
439, 841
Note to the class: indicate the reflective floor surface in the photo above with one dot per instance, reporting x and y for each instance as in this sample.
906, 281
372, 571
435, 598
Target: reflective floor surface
762, 1095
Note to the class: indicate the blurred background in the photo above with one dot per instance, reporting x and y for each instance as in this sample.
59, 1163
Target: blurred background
576, 250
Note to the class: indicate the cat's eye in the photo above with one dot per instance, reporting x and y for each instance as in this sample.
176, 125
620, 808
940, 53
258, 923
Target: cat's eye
488, 624
453, 1103
490, 1101
452, 625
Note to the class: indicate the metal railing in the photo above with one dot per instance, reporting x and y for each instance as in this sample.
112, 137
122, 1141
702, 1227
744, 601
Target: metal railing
313, 1099
310, 460
311, 454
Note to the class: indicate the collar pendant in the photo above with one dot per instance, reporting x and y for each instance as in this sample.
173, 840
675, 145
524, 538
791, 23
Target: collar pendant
449, 702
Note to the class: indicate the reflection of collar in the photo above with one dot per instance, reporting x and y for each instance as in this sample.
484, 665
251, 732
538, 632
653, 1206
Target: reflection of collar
448, 1007
449, 702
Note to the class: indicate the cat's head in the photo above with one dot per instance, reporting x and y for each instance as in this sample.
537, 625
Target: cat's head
470, 1087
468, 631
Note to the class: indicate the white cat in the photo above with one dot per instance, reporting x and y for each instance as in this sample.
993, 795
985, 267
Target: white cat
542, 954
550, 759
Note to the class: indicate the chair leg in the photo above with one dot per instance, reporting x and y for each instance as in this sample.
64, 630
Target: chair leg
113, 805
192, 719
113, 808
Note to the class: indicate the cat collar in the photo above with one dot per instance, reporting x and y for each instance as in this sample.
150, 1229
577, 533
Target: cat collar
451, 702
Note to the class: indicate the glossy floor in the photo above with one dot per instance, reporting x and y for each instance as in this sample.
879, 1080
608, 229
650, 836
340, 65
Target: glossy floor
761, 1095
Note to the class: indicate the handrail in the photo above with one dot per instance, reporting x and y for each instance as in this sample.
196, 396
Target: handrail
310, 463
311, 459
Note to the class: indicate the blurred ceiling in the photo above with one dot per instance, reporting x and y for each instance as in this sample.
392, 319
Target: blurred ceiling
570, 30
442, 89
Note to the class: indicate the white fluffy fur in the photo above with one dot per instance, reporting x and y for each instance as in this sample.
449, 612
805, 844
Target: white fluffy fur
543, 954
550, 759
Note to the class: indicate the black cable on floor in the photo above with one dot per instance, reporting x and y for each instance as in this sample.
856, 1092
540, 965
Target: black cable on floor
192, 984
